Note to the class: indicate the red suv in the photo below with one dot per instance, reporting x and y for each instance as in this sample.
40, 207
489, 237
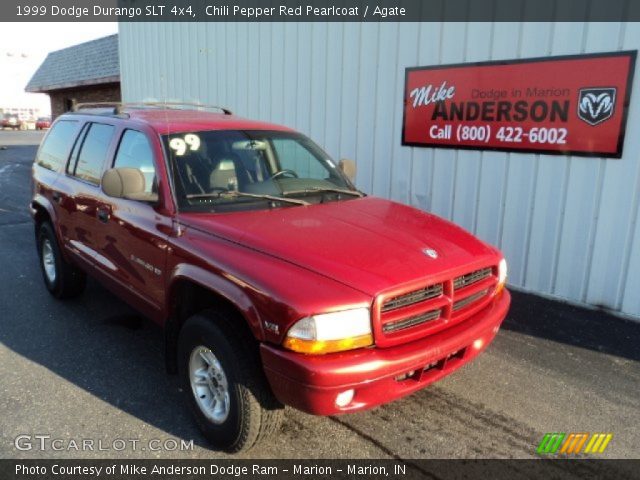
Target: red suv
275, 279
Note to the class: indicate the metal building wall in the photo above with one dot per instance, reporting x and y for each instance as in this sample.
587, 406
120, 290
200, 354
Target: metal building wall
567, 225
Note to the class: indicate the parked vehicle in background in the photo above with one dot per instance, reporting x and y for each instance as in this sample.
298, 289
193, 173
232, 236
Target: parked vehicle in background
275, 279
11, 120
43, 123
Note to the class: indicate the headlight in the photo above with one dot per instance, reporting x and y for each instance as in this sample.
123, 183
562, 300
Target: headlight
502, 275
331, 332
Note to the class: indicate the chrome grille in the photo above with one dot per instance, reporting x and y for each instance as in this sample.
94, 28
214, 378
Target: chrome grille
471, 278
413, 297
470, 299
411, 321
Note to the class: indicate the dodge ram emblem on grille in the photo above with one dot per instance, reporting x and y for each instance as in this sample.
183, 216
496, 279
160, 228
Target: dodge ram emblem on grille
430, 252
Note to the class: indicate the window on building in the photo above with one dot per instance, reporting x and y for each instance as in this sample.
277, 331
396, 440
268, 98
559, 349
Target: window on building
55, 149
93, 152
135, 152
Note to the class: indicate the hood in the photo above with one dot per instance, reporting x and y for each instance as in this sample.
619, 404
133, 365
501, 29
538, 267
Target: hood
369, 243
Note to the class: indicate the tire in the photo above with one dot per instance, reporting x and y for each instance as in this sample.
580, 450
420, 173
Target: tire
234, 368
62, 279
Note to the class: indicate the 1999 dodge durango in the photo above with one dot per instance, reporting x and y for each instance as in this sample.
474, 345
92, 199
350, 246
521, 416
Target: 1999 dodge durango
276, 281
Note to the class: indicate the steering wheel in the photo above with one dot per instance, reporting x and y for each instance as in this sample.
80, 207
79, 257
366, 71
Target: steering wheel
279, 173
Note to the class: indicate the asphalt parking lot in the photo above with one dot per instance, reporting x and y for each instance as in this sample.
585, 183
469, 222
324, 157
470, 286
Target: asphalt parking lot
93, 369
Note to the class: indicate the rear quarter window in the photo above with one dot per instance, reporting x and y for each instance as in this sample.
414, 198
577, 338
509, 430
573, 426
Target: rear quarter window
56, 147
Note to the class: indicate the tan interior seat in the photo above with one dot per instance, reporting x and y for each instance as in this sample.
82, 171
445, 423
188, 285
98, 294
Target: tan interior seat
224, 175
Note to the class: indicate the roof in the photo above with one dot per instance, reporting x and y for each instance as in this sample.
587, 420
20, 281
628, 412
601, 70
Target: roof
167, 121
90, 63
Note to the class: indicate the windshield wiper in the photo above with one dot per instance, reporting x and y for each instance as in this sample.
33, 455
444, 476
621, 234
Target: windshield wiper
234, 193
355, 193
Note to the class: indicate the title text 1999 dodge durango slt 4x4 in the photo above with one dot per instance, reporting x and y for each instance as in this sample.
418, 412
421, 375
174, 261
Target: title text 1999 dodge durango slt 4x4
275, 279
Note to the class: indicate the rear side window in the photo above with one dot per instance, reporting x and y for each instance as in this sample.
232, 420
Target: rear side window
55, 149
135, 152
93, 153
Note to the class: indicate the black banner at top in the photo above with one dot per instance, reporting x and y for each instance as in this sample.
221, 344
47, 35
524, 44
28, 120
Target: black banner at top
319, 10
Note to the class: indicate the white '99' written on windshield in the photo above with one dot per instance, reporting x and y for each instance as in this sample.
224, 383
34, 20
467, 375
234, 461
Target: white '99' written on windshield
180, 144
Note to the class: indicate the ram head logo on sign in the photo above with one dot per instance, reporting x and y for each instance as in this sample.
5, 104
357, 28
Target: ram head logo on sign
595, 105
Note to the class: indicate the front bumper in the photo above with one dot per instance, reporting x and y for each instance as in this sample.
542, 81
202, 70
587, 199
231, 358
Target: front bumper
311, 382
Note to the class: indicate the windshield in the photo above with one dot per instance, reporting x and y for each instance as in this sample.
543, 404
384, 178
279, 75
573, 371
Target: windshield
226, 170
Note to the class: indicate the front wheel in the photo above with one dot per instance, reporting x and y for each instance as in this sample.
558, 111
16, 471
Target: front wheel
224, 383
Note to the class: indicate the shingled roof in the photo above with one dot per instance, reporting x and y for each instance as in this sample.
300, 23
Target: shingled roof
91, 63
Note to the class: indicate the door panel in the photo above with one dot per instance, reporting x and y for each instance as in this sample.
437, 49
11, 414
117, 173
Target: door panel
135, 244
133, 239
85, 196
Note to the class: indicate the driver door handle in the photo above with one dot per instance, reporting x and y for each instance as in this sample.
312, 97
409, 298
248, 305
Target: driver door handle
103, 215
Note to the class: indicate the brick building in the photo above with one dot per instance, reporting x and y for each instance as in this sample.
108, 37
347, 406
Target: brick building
88, 72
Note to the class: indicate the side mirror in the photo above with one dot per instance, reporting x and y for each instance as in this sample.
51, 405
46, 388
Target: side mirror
126, 183
348, 167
